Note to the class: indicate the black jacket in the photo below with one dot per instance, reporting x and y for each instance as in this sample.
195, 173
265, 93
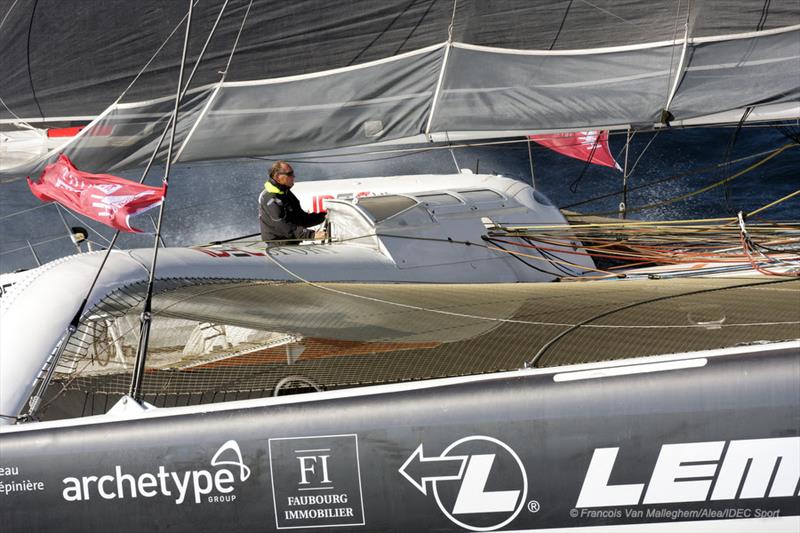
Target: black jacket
281, 216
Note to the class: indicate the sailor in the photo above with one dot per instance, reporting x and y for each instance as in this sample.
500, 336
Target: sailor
280, 214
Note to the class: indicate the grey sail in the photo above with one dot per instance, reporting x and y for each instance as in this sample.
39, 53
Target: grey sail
304, 77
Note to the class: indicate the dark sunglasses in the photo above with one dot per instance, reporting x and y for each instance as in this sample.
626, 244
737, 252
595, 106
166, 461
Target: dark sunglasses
290, 173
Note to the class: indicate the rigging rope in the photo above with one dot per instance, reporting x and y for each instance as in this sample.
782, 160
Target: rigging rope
152, 58
669, 178
667, 242
8, 12
607, 12
707, 188
750, 247
653, 138
772, 204
764, 14
728, 152
28, 54
561, 26
452, 22
573, 187
236, 41
10, 215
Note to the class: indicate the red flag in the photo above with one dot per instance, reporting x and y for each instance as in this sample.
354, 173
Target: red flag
102, 197
94, 131
64, 132
589, 146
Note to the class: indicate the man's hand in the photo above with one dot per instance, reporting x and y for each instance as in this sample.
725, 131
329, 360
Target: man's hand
320, 235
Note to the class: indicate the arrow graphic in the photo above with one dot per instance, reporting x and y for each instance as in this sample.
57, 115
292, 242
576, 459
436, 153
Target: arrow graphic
418, 469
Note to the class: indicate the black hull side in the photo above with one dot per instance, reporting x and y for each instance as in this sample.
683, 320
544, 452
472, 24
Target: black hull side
521, 446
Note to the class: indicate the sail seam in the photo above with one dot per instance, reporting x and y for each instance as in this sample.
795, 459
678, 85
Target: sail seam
16, 117
627, 48
746, 35
438, 89
35, 120
674, 33
202, 115
681, 68
753, 63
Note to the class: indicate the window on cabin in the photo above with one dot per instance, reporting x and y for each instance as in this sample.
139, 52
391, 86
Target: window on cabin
382, 207
480, 195
438, 199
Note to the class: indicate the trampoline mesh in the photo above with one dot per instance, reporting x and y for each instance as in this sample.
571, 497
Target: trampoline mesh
218, 340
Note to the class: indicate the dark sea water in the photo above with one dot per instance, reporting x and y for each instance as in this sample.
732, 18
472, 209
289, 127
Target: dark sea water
218, 200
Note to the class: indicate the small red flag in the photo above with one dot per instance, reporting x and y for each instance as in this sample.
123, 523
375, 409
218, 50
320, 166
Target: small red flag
101, 197
589, 146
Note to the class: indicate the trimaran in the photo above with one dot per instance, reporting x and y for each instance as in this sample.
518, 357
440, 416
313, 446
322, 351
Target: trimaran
404, 375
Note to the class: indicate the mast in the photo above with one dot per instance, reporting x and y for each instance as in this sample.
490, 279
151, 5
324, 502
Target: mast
146, 316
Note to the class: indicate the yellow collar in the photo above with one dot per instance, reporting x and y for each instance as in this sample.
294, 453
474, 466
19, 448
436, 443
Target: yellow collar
272, 188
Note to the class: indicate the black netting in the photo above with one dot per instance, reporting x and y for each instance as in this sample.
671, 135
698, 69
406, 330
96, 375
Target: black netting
226, 341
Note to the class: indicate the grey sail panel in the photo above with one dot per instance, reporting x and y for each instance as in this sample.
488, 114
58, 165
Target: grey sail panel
491, 90
384, 101
574, 25
564, 24
724, 17
739, 73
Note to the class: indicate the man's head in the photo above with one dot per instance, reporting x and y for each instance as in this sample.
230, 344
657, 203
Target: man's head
282, 172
